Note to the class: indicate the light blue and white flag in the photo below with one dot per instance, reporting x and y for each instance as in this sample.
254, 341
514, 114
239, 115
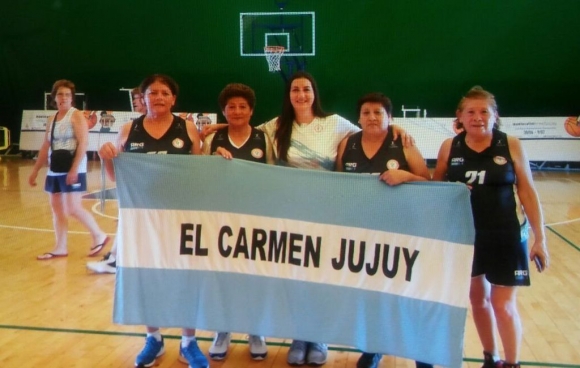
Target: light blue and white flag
317, 256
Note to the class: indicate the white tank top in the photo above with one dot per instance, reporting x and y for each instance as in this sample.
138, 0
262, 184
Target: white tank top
64, 138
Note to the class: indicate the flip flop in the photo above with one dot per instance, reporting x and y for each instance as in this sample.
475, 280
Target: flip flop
98, 248
47, 256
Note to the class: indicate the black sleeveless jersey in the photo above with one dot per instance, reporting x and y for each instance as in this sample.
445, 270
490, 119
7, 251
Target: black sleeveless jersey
389, 156
492, 178
174, 141
253, 150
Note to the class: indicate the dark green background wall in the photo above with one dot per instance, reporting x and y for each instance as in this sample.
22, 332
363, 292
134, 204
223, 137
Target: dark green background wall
420, 52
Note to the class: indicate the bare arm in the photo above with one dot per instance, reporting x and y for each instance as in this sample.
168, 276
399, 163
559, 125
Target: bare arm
206, 147
440, 172
419, 171
270, 158
406, 138
42, 158
81, 133
219, 150
109, 150
529, 199
340, 152
269, 129
210, 129
194, 136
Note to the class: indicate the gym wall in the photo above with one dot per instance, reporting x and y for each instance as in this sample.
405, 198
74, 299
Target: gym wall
423, 53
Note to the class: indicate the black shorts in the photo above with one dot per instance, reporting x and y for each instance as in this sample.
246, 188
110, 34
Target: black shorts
57, 184
502, 256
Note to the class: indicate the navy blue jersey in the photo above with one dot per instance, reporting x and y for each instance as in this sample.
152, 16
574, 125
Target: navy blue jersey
500, 251
254, 149
174, 141
492, 178
389, 156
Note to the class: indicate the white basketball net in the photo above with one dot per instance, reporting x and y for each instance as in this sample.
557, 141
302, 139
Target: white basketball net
273, 56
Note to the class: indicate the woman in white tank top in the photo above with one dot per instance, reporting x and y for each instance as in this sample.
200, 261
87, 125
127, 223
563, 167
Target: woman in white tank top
65, 189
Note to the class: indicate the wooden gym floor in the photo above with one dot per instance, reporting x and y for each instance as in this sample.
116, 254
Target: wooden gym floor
57, 314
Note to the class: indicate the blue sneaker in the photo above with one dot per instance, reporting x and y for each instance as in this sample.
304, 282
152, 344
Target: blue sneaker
193, 355
152, 350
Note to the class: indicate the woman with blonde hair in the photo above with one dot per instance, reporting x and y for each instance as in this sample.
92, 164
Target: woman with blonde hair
504, 201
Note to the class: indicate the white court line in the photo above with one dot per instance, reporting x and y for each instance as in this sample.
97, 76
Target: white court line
42, 230
96, 211
563, 222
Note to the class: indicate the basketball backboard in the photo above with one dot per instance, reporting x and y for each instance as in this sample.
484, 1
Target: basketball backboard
80, 101
295, 31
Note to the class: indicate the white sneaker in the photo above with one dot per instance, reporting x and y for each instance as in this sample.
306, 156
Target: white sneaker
219, 346
258, 347
297, 353
107, 265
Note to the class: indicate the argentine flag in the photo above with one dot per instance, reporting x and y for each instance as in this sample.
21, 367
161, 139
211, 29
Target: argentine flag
318, 256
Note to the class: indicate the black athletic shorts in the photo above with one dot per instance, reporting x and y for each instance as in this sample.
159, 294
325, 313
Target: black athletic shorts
502, 256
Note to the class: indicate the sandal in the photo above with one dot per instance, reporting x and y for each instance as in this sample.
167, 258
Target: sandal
47, 256
98, 248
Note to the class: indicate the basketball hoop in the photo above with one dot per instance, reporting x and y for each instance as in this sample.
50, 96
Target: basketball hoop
273, 56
